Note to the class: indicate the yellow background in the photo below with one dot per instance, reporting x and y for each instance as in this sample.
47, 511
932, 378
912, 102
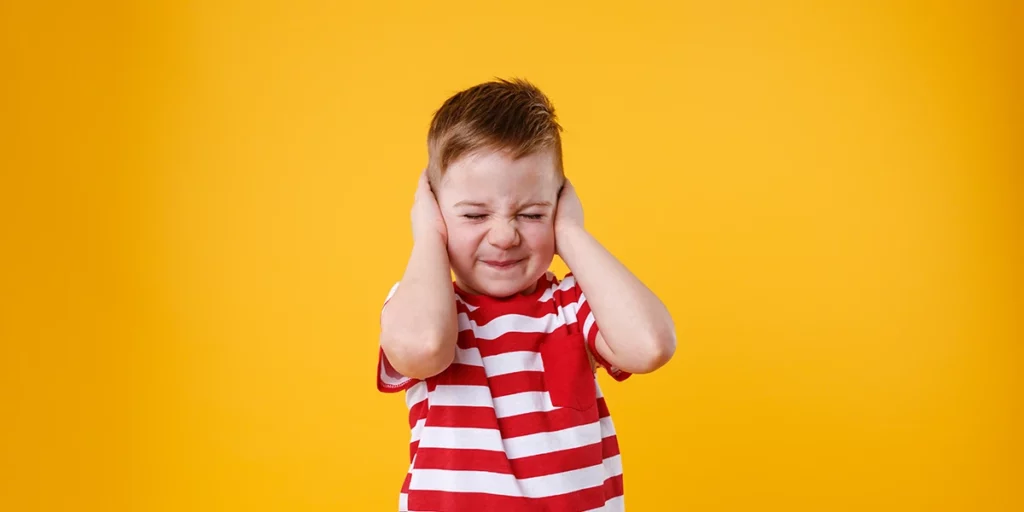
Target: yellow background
205, 203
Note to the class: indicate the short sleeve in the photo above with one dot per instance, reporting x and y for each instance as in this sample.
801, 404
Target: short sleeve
390, 380
589, 329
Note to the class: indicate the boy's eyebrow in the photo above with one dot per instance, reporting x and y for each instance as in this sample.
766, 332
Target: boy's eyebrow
536, 203
470, 203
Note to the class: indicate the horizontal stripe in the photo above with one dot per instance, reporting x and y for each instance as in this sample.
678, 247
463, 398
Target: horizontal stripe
471, 417
565, 285
506, 484
515, 426
475, 438
509, 342
511, 362
547, 442
469, 396
526, 467
514, 323
459, 375
523, 403
468, 356
461, 438
513, 383
480, 396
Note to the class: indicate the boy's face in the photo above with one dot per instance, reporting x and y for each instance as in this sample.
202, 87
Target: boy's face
500, 218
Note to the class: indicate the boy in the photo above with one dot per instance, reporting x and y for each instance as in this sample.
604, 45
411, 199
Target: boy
499, 366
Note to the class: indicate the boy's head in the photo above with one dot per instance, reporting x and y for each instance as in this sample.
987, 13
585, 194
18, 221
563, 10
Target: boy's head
495, 165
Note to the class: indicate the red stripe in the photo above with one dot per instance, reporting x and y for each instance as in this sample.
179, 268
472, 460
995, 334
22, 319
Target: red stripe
405, 485
417, 412
511, 341
585, 499
537, 309
610, 446
497, 462
515, 426
459, 375
613, 487
458, 416
518, 382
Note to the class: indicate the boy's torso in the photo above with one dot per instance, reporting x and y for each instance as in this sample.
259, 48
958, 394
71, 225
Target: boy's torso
517, 422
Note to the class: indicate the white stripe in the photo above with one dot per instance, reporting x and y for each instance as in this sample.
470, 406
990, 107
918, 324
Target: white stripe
461, 438
480, 396
465, 324
403, 502
613, 466
416, 394
548, 442
512, 362
506, 484
471, 438
522, 403
468, 356
616, 504
517, 323
465, 396
520, 323
607, 427
417, 430
567, 284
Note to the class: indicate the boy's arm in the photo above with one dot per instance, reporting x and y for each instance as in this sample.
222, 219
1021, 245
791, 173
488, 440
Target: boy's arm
419, 327
636, 333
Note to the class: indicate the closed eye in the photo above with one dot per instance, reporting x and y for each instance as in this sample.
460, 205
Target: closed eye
474, 216
532, 216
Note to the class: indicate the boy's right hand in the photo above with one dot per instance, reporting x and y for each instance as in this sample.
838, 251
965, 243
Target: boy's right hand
426, 214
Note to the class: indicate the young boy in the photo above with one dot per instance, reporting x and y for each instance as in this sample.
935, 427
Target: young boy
498, 368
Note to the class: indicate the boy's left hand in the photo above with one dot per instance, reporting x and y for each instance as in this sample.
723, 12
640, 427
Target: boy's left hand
568, 214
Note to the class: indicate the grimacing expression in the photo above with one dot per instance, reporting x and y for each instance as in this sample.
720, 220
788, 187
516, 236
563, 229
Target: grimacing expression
500, 214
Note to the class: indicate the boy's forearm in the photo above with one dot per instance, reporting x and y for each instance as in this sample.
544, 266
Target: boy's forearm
635, 325
419, 327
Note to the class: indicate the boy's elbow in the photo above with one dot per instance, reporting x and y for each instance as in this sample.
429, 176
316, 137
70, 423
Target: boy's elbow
658, 349
426, 356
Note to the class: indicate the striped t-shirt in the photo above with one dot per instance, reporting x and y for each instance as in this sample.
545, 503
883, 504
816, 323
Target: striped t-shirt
517, 421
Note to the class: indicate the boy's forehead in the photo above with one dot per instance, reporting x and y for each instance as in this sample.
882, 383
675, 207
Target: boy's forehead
496, 175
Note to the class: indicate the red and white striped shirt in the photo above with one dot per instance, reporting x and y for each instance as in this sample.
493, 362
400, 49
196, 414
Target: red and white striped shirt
518, 421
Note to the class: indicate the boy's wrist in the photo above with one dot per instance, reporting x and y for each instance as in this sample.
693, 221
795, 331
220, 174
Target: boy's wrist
431, 241
566, 238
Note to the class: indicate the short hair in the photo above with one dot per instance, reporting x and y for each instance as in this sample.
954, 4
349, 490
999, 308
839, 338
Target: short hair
501, 115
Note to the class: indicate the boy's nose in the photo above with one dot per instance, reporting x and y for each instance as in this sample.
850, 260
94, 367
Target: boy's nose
503, 236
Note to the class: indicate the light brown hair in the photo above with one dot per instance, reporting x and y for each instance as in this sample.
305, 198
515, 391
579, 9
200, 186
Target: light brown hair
501, 115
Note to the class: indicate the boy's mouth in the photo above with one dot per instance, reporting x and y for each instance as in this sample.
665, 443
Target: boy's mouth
502, 264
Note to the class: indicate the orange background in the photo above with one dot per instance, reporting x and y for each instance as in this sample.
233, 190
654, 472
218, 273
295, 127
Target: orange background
204, 205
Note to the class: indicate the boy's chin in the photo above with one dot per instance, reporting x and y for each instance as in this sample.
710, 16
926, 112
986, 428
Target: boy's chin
502, 288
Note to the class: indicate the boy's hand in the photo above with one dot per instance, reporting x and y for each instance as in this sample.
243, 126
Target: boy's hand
426, 214
568, 214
